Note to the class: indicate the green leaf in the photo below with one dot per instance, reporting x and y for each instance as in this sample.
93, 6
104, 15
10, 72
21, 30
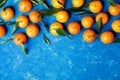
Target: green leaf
99, 22
15, 27
2, 2
62, 33
6, 41
34, 2
111, 2
46, 39
45, 25
60, 3
43, 3
74, 9
85, 5
84, 12
116, 40
50, 12
24, 49
10, 23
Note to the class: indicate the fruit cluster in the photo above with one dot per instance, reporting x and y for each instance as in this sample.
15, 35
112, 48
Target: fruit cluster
62, 16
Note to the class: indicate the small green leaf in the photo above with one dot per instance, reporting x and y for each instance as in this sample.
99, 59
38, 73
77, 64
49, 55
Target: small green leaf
24, 49
15, 27
2, 2
84, 12
85, 5
73, 9
111, 2
60, 3
6, 41
10, 23
50, 12
99, 22
34, 2
46, 39
116, 40
43, 3
62, 33
45, 25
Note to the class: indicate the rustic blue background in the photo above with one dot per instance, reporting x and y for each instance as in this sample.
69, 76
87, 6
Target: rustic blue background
64, 59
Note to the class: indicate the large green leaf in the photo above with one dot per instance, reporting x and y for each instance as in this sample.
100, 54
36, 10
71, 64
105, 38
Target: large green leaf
2, 2
50, 12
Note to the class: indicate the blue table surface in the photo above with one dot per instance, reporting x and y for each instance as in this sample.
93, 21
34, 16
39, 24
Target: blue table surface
63, 59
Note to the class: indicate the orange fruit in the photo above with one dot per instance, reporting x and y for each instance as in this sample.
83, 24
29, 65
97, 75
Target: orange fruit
77, 3
58, 3
87, 21
19, 39
95, 6
23, 21
35, 16
55, 25
114, 10
7, 13
74, 28
89, 35
2, 31
62, 16
103, 16
25, 5
116, 26
107, 37
32, 30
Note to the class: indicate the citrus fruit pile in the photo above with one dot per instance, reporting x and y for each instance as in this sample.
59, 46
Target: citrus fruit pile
62, 16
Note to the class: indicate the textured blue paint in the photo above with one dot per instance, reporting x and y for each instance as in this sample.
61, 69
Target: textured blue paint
64, 59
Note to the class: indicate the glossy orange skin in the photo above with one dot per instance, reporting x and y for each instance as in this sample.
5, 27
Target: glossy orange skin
87, 21
103, 16
7, 14
56, 4
74, 28
35, 16
32, 30
116, 26
88, 35
19, 39
78, 3
23, 21
62, 16
55, 25
25, 6
107, 37
114, 10
95, 6
2, 31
